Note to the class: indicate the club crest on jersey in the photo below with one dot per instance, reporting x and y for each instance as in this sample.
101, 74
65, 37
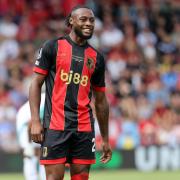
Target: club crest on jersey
90, 63
44, 152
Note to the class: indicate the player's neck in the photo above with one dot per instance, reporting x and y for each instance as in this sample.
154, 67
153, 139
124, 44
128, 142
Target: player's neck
77, 39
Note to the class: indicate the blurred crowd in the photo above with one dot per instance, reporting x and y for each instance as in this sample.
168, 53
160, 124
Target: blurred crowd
141, 44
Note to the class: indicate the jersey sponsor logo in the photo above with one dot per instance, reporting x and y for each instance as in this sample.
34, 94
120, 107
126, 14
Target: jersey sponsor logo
76, 78
44, 152
90, 63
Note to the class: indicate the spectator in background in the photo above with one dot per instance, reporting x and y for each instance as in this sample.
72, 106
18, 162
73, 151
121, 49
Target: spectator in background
145, 38
8, 29
111, 36
7, 122
165, 121
116, 63
129, 136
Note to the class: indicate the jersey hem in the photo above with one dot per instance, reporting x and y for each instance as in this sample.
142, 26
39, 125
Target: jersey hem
53, 161
75, 130
83, 161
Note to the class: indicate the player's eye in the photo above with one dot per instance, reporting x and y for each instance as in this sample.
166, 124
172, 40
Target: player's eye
92, 20
82, 19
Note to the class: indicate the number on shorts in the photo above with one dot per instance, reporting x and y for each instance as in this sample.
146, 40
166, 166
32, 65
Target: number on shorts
93, 147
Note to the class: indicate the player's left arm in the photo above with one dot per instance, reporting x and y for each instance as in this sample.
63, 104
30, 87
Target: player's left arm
101, 106
102, 113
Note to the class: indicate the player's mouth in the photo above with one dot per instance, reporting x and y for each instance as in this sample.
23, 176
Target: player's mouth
87, 30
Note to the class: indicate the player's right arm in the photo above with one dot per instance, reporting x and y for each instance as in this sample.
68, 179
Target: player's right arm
36, 129
42, 67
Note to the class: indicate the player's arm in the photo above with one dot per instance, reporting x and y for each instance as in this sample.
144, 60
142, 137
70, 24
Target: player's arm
101, 106
42, 67
102, 114
36, 129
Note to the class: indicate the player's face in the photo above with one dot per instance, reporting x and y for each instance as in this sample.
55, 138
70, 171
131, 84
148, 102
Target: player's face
83, 23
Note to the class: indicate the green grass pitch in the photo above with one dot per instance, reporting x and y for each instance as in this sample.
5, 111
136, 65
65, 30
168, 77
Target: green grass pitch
115, 175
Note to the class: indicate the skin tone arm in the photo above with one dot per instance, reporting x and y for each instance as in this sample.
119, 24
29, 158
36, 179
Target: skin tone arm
35, 128
102, 113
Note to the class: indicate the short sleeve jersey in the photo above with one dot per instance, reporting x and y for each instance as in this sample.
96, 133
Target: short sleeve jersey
71, 71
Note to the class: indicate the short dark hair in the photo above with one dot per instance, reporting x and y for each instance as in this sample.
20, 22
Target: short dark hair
74, 9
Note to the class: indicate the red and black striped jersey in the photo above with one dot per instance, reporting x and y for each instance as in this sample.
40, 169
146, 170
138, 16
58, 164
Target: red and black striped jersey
72, 71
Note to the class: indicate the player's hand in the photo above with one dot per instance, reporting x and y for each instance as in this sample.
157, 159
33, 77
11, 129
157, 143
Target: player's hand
36, 131
107, 153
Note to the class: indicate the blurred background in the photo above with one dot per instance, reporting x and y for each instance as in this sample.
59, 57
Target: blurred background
140, 40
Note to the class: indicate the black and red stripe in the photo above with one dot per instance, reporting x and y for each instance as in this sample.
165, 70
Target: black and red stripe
71, 103
60, 88
84, 111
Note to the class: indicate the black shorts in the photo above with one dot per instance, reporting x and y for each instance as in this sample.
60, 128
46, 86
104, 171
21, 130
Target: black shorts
61, 147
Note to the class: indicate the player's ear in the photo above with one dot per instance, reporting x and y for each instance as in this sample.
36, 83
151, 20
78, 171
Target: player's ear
71, 21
